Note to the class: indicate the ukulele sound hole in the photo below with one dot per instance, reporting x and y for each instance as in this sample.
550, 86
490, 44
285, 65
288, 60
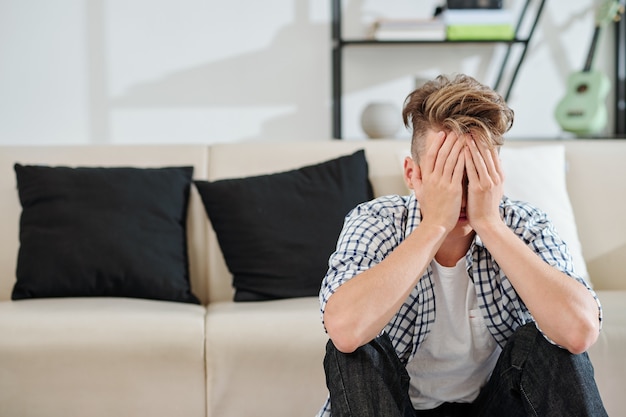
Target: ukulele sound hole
582, 88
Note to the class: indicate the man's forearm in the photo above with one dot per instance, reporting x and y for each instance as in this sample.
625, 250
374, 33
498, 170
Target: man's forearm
360, 308
564, 309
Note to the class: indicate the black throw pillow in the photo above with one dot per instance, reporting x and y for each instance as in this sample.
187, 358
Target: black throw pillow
277, 231
103, 232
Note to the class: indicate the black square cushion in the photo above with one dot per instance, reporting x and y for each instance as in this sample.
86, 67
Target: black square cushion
92, 231
277, 231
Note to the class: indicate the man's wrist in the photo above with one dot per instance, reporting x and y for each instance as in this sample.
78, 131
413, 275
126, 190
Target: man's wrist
433, 230
490, 229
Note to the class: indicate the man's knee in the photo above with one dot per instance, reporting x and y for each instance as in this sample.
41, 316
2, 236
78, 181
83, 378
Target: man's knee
377, 353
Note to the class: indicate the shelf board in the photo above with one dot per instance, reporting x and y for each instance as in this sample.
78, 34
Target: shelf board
344, 42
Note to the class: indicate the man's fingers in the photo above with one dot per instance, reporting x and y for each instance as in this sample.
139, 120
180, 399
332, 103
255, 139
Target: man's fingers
459, 168
480, 165
430, 158
496, 161
452, 159
470, 166
485, 165
488, 159
444, 151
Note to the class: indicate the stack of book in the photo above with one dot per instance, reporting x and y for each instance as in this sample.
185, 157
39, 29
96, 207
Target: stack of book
478, 23
409, 29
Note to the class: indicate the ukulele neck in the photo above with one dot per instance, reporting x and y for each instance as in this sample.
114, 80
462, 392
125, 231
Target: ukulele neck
592, 49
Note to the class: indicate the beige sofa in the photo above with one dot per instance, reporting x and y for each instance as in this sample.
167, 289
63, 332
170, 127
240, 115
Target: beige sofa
93, 357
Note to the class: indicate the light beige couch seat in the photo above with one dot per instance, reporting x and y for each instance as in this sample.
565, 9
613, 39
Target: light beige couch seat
251, 366
101, 357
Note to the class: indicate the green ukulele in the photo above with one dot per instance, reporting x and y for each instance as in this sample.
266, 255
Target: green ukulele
583, 109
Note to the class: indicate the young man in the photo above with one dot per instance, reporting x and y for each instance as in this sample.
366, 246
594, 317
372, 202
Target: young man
456, 301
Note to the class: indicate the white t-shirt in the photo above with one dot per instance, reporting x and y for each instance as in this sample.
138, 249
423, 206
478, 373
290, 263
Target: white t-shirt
459, 354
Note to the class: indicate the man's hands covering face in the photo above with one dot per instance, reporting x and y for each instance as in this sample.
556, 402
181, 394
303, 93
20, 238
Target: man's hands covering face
439, 188
450, 164
485, 184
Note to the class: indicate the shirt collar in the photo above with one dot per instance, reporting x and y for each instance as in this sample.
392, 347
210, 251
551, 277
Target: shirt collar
414, 215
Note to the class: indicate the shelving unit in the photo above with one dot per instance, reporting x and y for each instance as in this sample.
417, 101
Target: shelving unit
620, 77
339, 43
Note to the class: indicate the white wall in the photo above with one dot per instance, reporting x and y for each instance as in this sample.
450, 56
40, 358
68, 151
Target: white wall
202, 71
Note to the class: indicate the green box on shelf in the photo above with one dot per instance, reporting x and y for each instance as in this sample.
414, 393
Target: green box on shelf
480, 32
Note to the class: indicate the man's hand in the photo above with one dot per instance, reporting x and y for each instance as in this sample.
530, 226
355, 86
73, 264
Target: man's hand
438, 183
485, 185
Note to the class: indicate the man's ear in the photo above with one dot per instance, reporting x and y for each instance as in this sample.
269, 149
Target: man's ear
412, 172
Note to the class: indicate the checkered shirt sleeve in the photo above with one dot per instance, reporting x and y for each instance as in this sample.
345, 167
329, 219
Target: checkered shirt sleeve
370, 232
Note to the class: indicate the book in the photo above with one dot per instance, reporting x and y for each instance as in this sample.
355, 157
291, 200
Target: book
474, 4
480, 32
409, 29
477, 16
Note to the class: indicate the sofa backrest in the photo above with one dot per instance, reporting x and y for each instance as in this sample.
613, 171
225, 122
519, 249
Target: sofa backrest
595, 181
594, 178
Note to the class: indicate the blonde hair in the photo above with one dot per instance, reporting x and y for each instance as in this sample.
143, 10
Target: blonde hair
461, 105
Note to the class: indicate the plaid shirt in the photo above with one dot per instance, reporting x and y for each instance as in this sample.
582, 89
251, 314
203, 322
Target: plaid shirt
374, 229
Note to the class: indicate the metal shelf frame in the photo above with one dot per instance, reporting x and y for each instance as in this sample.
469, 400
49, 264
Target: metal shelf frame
620, 77
339, 43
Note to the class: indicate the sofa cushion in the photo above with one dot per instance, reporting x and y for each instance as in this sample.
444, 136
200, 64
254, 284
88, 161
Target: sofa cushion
258, 349
537, 174
276, 231
116, 232
100, 357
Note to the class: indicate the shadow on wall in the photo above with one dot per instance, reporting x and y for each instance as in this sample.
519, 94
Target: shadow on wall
554, 40
279, 75
293, 71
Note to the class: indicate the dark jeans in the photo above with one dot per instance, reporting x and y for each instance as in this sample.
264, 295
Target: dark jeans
532, 378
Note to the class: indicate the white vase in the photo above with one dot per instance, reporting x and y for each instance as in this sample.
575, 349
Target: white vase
381, 120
